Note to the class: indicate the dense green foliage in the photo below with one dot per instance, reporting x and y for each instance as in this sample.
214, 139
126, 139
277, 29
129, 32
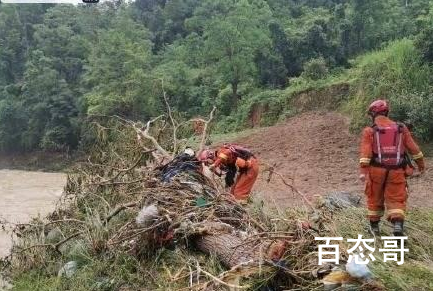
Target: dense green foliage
398, 74
59, 63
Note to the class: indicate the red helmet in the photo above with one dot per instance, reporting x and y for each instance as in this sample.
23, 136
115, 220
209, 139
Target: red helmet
378, 106
206, 155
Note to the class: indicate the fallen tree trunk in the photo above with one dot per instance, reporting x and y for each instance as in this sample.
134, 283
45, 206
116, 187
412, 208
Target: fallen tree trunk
232, 251
228, 248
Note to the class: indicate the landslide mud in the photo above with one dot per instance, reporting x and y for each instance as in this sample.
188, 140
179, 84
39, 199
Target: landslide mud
317, 154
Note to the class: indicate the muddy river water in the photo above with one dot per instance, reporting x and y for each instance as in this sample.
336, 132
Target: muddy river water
24, 195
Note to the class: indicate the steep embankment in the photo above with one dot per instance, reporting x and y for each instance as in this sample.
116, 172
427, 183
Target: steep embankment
319, 153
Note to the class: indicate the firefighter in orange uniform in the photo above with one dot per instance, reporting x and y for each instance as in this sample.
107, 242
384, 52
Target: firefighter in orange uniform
384, 165
235, 161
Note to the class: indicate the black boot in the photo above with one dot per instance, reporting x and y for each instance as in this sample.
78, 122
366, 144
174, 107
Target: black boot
398, 228
374, 228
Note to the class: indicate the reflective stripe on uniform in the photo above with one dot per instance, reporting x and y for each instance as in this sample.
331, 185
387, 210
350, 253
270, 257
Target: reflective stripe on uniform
418, 156
375, 212
223, 156
395, 211
364, 160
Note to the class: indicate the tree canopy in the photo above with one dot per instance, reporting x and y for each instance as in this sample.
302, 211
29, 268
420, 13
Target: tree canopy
61, 63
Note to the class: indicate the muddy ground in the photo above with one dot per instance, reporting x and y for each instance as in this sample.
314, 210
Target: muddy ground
318, 154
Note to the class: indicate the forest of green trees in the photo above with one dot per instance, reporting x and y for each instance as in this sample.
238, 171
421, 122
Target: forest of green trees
61, 63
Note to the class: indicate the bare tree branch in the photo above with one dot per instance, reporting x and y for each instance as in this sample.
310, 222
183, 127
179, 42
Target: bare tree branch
118, 209
124, 171
206, 125
272, 172
53, 246
173, 121
145, 133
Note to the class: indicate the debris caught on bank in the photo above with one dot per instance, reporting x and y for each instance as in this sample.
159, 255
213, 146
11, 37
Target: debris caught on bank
135, 197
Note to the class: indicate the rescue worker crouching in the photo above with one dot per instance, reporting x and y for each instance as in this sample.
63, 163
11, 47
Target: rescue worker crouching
241, 168
384, 166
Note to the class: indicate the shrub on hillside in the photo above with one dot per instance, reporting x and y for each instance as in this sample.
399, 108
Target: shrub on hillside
268, 105
415, 109
315, 69
396, 68
396, 73
424, 43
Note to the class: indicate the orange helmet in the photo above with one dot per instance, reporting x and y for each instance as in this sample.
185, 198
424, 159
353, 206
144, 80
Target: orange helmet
206, 155
377, 107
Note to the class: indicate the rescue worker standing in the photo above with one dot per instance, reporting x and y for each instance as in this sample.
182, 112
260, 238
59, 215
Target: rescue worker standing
239, 164
384, 166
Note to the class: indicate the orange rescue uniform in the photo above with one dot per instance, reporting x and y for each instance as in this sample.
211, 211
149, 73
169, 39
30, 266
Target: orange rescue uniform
249, 170
386, 188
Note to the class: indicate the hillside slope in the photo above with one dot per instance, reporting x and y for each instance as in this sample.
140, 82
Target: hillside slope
319, 153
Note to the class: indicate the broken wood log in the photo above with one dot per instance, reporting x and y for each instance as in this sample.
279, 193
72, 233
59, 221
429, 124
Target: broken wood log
232, 250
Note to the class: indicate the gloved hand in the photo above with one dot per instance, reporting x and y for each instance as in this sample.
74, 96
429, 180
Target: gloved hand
421, 165
215, 170
364, 174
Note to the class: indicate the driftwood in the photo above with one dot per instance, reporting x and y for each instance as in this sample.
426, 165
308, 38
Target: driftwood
206, 128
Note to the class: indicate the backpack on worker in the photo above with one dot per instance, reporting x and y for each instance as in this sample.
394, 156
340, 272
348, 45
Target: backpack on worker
388, 146
239, 151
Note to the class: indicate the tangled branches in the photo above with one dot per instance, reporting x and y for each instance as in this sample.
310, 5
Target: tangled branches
134, 197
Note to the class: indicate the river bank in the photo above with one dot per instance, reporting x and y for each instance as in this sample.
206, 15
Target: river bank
38, 161
24, 195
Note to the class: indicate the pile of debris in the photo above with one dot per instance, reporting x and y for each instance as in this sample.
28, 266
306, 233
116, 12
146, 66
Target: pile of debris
177, 206
133, 197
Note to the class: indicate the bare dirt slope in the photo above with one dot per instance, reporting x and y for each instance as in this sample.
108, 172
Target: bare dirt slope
317, 151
